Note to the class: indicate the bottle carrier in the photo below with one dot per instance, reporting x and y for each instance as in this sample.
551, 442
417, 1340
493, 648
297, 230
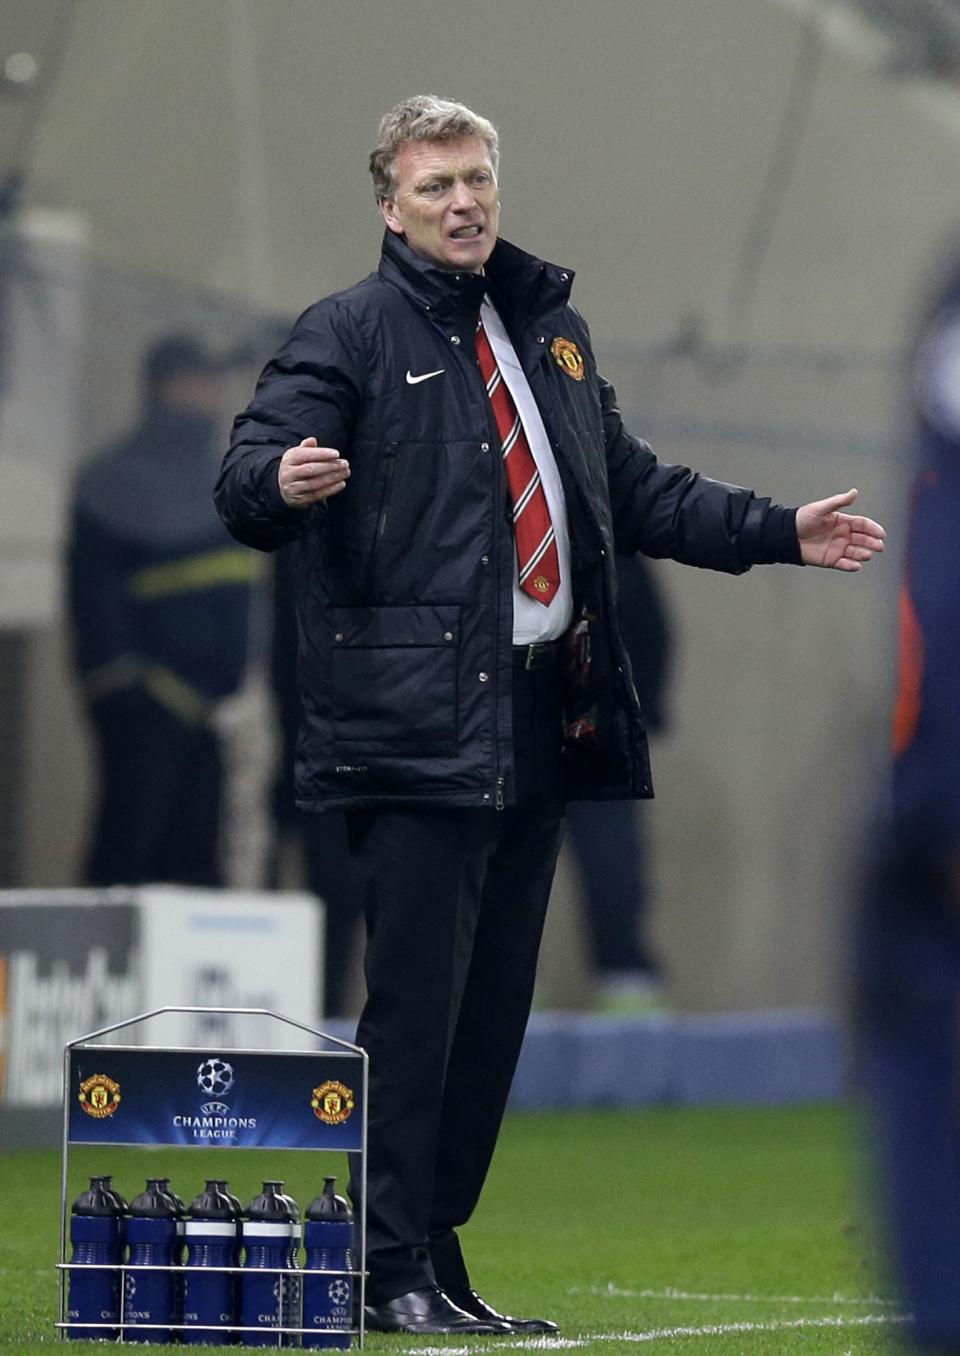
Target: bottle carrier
211, 1097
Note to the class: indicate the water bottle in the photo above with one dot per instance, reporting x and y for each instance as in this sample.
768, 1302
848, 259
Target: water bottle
94, 1294
178, 1248
211, 1238
223, 1186
295, 1282
328, 1298
181, 1210
152, 1240
123, 1210
266, 1296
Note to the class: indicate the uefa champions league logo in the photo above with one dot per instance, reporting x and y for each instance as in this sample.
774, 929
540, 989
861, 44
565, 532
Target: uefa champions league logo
129, 1295
215, 1079
215, 1076
339, 1291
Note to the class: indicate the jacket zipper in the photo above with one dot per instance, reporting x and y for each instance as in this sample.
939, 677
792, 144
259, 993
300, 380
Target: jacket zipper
497, 528
500, 482
499, 490
383, 507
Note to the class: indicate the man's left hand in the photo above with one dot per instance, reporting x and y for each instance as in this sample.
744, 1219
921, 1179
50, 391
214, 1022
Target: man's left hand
836, 540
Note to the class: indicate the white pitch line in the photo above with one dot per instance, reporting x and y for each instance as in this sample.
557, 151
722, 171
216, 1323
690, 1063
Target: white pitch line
611, 1291
662, 1334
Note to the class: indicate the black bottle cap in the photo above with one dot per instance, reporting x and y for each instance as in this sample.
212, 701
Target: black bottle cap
98, 1200
294, 1207
328, 1205
272, 1204
223, 1186
164, 1184
153, 1203
106, 1182
214, 1203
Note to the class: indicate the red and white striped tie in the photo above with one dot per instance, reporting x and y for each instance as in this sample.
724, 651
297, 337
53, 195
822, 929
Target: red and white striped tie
537, 559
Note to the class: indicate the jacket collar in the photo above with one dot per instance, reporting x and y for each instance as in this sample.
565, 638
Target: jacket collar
521, 284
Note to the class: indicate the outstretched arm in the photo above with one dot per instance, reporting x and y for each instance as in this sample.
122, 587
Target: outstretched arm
835, 540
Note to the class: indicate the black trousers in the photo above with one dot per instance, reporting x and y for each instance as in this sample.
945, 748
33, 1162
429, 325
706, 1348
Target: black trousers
609, 842
454, 903
158, 812
332, 874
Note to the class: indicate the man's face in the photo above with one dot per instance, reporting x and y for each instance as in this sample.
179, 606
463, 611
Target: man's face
446, 203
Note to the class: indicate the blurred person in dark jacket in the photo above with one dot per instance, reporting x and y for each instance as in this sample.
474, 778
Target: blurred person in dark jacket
910, 940
159, 601
609, 839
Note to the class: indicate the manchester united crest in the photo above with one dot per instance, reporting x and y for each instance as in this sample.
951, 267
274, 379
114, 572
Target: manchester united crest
568, 358
99, 1096
332, 1102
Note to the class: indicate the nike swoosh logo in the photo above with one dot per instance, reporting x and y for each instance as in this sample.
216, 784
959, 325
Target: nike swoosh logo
413, 381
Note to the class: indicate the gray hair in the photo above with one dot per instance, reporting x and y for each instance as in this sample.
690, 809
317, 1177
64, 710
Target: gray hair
425, 118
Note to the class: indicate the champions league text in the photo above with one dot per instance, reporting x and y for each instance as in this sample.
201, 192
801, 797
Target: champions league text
215, 1127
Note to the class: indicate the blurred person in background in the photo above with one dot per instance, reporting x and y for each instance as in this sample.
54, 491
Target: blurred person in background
909, 994
158, 602
462, 669
609, 839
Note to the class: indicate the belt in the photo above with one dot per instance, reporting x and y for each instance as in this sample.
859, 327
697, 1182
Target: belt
541, 655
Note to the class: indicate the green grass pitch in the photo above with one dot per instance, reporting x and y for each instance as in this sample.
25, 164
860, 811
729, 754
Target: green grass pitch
726, 1232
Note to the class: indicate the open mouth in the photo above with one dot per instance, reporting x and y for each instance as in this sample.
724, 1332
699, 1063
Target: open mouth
466, 233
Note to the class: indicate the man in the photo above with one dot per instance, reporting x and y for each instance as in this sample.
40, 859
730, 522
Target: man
457, 490
159, 598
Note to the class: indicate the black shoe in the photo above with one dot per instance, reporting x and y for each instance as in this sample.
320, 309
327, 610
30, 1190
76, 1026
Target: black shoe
429, 1311
472, 1303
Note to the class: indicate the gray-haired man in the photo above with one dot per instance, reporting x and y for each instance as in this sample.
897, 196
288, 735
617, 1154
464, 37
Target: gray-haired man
457, 476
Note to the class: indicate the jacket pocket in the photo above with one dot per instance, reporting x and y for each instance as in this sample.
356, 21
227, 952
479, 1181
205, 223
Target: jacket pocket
394, 679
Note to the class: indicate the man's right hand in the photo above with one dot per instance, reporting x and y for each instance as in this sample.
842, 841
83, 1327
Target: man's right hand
308, 473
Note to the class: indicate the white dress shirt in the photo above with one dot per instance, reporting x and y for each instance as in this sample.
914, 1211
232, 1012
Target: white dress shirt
532, 621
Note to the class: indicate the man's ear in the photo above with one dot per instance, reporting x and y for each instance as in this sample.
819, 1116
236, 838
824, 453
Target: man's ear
388, 210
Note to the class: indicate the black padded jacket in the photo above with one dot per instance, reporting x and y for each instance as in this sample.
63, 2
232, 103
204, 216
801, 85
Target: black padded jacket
404, 580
